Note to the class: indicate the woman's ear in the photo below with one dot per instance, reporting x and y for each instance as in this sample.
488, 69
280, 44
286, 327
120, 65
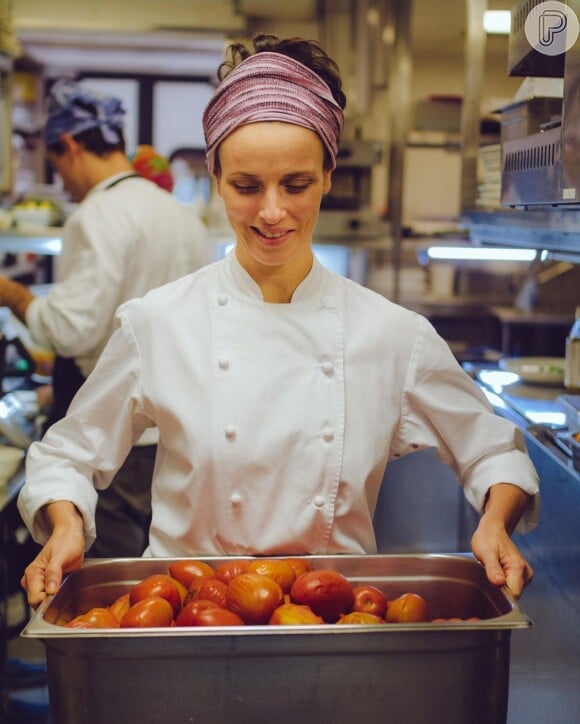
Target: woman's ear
327, 182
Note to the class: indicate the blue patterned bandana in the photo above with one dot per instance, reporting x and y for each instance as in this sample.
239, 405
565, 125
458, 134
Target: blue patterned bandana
74, 108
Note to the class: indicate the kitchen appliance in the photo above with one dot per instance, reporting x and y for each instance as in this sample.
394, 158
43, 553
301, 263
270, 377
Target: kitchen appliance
346, 209
405, 673
543, 166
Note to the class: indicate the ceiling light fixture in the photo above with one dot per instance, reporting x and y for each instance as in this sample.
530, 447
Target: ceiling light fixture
497, 22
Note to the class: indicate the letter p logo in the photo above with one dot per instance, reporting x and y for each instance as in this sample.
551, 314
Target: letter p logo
551, 22
551, 28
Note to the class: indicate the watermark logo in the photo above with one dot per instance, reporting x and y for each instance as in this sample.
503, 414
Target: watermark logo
552, 28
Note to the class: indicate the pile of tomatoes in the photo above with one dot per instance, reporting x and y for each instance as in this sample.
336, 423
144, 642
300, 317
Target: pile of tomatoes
280, 591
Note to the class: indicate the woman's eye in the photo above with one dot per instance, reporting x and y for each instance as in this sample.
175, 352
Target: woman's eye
246, 189
296, 188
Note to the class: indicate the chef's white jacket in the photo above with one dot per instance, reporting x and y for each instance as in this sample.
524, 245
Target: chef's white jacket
118, 244
276, 421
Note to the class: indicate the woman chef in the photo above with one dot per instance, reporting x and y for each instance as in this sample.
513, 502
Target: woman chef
279, 389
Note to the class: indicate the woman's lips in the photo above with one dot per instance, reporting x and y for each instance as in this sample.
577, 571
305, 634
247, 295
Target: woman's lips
271, 238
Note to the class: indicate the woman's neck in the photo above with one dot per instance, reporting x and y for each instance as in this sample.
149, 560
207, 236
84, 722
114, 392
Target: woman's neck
277, 283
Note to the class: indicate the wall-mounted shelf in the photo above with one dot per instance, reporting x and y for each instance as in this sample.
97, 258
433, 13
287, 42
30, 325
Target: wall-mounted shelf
555, 230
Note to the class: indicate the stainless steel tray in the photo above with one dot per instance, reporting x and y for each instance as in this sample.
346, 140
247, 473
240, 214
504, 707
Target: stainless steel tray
424, 672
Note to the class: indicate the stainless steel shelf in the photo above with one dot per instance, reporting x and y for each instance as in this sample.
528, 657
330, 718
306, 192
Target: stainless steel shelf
553, 229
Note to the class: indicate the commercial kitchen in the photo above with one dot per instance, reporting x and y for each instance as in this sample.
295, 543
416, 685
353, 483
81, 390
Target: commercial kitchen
456, 195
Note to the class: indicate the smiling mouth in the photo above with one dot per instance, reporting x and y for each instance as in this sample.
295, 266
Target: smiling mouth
271, 237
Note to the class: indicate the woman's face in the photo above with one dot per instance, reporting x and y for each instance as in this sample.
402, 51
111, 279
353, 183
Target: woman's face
272, 180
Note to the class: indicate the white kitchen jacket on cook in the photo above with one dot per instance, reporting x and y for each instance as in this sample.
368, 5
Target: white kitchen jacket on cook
126, 237
276, 421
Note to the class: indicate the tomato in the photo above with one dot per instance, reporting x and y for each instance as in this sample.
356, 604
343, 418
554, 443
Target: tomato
407, 608
254, 597
230, 569
278, 569
79, 622
188, 570
300, 565
293, 614
148, 612
207, 616
181, 589
186, 616
120, 606
209, 589
97, 617
327, 592
159, 584
360, 617
369, 599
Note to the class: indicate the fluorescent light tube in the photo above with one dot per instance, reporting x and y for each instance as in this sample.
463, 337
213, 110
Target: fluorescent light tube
478, 253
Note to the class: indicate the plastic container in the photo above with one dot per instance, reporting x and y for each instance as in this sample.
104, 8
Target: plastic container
405, 673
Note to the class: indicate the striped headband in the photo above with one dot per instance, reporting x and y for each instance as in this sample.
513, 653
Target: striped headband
271, 86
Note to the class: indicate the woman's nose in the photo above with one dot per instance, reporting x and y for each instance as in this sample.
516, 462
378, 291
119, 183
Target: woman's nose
272, 209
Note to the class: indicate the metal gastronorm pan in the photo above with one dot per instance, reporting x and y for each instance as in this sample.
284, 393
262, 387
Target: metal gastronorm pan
457, 673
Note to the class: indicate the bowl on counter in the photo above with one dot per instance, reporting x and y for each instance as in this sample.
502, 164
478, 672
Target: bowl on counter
6, 219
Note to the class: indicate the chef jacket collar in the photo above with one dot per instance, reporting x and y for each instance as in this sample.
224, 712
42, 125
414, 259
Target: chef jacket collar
311, 288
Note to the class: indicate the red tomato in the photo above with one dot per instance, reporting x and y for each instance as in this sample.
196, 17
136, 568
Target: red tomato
230, 569
254, 597
159, 584
148, 612
327, 592
300, 565
277, 568
293, 614
120, 606
188, 570
360, 617
207, 616
208, 589
369, 599
186, 616
408, 608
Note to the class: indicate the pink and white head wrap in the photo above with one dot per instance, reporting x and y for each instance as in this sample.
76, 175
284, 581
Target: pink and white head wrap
269, 86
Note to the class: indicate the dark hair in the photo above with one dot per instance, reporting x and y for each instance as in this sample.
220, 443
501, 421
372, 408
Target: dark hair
308, 52
92, 139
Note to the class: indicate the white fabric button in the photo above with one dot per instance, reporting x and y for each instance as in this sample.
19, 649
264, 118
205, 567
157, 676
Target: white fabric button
318, 501
222, 299
230, 432
223, 363
327, 368
236, 498
327, 435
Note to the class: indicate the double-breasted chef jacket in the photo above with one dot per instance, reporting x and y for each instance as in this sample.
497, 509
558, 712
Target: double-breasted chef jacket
276, 421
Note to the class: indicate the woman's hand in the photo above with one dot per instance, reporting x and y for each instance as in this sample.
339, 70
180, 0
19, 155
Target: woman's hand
492, 545
62, 553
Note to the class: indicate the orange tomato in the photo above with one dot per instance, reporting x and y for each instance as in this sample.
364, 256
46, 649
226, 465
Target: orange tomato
293, 614
120, 606
277, 568
407, 608
188, 570
159, 584
360, 617
254, 597
300, 565
148, 612
208, 589
97, 617
230, 569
